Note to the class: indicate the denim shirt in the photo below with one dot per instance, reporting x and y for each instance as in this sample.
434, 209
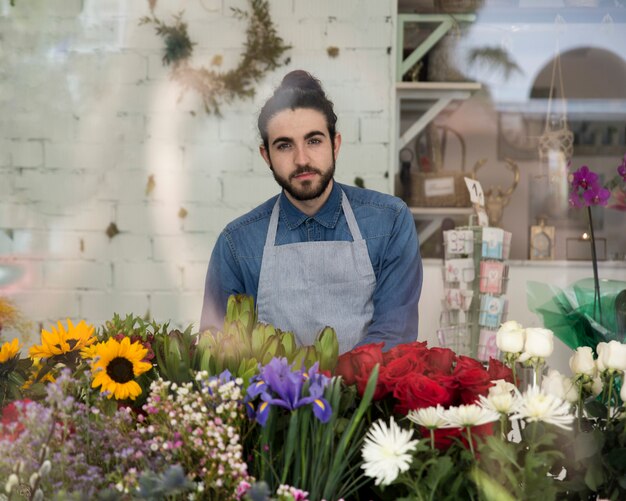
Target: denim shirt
387, 226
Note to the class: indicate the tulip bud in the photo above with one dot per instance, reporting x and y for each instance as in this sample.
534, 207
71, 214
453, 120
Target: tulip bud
582, 362
327, 348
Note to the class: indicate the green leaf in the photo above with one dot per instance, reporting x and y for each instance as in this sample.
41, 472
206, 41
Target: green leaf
594, 477
595, 409
617, 459
585, 446
488, 488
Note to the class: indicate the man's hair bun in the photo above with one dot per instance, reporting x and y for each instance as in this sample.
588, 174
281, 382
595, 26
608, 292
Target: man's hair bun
300, 79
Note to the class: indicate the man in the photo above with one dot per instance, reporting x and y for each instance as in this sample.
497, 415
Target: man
320, 253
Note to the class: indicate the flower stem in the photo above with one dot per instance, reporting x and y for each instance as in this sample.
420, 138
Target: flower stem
609, 397
580, 405
594, 259
432, 439
468, 429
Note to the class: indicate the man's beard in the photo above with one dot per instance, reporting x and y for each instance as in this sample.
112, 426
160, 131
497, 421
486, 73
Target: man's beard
307, 191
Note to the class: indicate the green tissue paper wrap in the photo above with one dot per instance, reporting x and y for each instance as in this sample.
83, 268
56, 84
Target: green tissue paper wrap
569, 312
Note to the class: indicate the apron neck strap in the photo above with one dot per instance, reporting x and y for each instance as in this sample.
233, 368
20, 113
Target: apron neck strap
270, 240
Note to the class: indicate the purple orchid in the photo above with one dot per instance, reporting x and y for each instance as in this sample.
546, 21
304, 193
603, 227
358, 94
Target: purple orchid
584, 178
621, 169
596, 195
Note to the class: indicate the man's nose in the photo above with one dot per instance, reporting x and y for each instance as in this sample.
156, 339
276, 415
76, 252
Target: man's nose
301, 157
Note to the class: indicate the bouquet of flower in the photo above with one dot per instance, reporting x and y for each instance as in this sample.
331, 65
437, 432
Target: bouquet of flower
588, 312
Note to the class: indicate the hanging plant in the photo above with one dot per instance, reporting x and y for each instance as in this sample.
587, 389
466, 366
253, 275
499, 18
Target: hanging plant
263, 52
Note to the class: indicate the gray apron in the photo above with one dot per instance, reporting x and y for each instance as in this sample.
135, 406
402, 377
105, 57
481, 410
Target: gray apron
306, 286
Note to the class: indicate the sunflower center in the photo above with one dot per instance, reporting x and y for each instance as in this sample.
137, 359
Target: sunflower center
120, 370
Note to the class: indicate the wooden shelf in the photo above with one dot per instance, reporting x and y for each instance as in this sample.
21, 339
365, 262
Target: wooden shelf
441, 211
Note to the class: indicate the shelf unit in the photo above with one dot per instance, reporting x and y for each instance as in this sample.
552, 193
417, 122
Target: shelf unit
427, 98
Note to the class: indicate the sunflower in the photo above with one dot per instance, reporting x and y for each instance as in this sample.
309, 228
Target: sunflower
116, 366
8, 357
62, 341
9, 350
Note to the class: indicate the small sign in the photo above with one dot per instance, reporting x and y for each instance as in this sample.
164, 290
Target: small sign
439, 187
476, 191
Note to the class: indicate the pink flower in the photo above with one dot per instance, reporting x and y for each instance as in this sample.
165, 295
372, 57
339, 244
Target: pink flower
584, 178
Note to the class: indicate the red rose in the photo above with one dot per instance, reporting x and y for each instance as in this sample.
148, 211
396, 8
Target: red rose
439, 360
359, 362
497, 370
417, 391
444, 437
403, 350
472, 378
381, 390
398, 369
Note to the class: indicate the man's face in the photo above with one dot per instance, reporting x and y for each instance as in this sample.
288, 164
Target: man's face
301, 154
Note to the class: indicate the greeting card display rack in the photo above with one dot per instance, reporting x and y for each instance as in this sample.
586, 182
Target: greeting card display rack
475, 278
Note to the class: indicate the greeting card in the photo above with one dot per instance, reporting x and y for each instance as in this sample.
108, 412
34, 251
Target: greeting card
459, 270
493, 241
492, 276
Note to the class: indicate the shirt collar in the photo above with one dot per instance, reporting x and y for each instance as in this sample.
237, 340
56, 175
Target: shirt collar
327, 216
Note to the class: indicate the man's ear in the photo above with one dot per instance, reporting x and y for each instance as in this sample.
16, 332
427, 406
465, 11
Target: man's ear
337, 145
265, 154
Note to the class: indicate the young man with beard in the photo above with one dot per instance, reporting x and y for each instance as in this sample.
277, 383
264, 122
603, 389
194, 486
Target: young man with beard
319, 253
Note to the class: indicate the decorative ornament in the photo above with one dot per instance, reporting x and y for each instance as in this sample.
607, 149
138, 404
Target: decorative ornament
150, 184
263, 49
112, 230
332, 51
182, 213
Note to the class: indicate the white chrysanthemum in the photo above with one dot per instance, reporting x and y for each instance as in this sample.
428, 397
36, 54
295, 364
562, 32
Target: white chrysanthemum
386, 451
539, 406
428, 417
502, 403
465, 416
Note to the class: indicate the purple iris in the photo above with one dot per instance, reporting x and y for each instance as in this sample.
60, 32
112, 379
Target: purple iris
279, 385
584, 178
596, 195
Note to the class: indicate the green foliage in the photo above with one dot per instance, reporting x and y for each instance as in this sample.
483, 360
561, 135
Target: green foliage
436, 474
243, 343
263, 51
323, 459
178, 46
596, 459
524, 469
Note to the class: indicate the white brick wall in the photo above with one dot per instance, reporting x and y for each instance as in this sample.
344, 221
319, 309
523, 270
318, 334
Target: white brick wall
88, 113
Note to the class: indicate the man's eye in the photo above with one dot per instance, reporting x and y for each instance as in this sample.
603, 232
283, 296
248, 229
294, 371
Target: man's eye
283, 146
314, 140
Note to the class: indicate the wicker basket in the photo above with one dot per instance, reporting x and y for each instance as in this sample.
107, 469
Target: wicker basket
441, 187
436, 189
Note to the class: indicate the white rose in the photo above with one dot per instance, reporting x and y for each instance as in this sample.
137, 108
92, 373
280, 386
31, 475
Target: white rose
510, 337
582, 362
612, 355
595, 386
599, 363
560, 386
539, 343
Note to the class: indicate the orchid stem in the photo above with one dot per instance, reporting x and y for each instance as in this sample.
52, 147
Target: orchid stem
594, 259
